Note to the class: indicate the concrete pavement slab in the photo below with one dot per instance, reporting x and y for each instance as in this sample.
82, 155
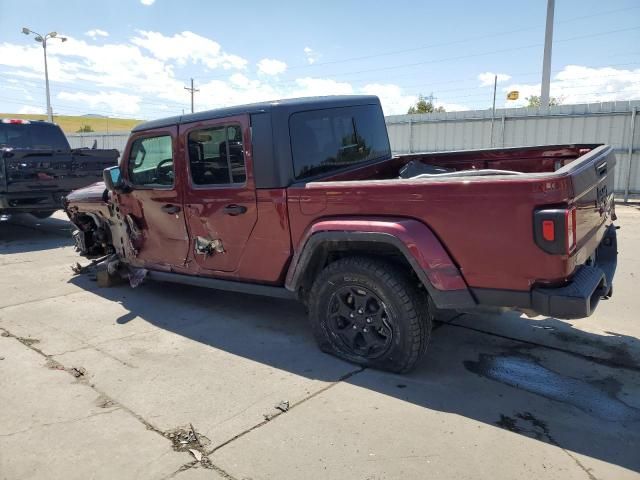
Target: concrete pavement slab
53, 427
448, 421
479, 406
178, 355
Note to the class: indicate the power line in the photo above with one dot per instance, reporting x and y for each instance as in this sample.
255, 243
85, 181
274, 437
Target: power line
443, 44
458, 57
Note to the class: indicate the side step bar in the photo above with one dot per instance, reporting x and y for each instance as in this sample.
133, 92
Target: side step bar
217, 284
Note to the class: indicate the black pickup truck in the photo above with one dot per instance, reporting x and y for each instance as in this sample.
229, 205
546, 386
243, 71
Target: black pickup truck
38, 167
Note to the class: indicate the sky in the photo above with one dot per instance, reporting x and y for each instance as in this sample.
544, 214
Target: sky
133, 58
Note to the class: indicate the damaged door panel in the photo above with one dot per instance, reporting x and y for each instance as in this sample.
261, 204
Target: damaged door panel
219, 193
206, 246
152, 205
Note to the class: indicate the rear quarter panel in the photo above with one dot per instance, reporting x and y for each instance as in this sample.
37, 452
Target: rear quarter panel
485, 225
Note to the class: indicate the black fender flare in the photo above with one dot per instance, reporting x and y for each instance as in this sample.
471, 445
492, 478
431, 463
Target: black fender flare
323, 241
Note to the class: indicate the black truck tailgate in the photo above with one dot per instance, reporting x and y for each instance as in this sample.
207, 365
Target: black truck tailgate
28, 170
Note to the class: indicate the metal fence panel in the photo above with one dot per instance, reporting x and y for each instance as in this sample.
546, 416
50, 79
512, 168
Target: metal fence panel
103, 139
611, 123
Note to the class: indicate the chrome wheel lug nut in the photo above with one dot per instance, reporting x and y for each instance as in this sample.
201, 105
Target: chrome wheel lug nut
351, 315
355, 327
360, 311
368, 319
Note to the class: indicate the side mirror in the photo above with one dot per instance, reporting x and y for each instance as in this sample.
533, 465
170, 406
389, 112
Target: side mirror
112, 179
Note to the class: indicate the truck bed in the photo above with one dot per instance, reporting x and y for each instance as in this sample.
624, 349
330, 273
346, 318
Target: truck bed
486, 222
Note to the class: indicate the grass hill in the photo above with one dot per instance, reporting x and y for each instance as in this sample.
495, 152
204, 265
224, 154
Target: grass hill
71, 124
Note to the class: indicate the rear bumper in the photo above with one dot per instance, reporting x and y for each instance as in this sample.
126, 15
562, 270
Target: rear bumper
581, 295
577, 299
25, 202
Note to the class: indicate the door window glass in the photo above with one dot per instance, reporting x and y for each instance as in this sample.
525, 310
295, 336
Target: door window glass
151, 162
216, 156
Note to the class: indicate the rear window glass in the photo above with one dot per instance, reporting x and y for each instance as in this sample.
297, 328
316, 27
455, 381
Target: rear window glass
326, 140
32, 135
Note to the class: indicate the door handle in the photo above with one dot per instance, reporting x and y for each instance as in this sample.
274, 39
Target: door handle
170, 209
234, 210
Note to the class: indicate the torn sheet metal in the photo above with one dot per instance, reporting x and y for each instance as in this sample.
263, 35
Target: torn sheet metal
207, 246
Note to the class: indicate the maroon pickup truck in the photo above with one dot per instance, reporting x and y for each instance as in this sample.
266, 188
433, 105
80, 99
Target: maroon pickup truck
302, 198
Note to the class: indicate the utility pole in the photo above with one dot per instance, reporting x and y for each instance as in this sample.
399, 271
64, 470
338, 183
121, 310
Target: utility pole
546, 61
43, 40
192, 91
493, 110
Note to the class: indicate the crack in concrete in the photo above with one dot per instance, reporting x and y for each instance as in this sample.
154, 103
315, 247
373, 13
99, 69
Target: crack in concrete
61, 422
540, 431
27, 302
119, 406
195, 464
272, 417
86, 344
291, 407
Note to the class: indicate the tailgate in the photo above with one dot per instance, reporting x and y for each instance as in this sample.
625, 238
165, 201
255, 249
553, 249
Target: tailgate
576, 229
33, 170
592, 178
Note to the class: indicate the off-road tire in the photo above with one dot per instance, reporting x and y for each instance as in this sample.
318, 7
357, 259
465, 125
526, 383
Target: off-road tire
406, 305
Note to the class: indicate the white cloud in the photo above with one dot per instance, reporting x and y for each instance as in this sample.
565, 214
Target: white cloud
270, 66
147, 2
487, 78
579, 84
140, 77
311, 55
115, 101
100, 77
394, 101
96, 32
31, 109
188, 47
315, 87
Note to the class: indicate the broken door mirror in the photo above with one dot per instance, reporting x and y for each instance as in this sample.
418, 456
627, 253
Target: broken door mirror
112, 178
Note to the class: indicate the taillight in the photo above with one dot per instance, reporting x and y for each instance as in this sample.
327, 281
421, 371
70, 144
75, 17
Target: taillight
555, 230
548, 230
17, 121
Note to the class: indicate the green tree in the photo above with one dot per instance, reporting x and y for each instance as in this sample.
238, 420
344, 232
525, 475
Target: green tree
534, 101
424, 106
85, 129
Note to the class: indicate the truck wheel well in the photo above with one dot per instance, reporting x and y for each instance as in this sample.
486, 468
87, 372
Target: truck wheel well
330, 251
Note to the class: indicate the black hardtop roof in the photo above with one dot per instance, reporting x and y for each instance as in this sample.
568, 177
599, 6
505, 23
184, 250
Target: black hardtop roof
290, 104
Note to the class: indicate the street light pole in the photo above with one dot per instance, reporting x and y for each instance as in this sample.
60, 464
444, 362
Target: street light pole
546, 60
46, 81
43, 40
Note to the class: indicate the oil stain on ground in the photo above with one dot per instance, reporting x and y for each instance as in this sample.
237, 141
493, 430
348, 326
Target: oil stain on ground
526, 373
